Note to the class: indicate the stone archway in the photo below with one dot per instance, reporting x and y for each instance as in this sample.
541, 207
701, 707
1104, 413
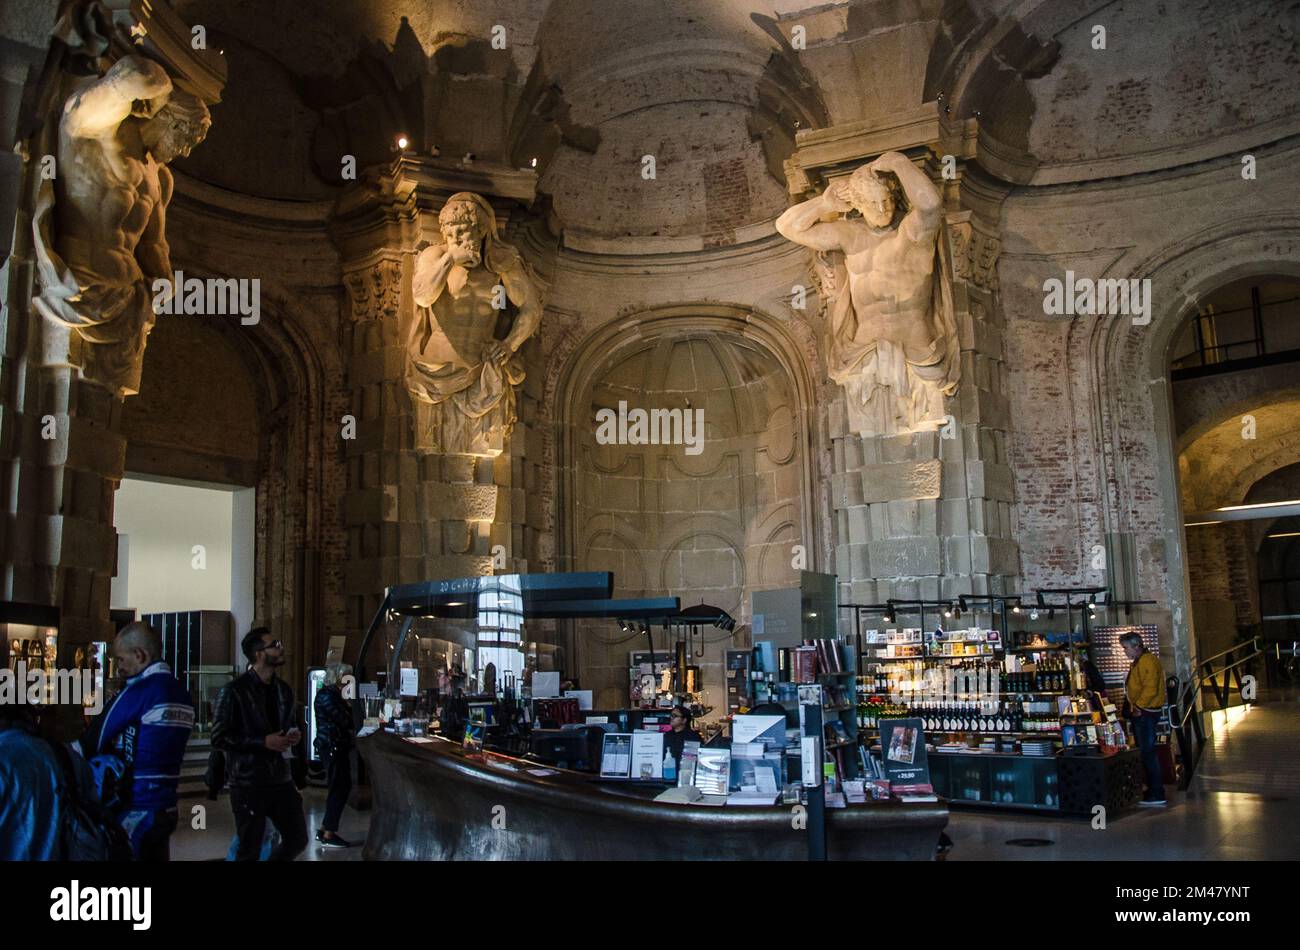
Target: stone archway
708, 526
1132, 393
178, 427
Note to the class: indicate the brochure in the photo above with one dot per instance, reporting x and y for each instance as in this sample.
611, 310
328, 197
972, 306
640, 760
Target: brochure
616, 755
713, 771
647, 755
686, 767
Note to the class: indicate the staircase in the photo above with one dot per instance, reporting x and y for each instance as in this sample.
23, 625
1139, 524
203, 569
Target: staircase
194, 767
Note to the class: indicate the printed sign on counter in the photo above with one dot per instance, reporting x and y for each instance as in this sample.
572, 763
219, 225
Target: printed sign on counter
902, 743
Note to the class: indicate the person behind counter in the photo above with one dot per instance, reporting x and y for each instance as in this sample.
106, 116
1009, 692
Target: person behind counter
680, 734
455, 709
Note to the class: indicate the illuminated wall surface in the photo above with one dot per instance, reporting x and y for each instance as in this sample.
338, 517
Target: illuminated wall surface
163, 524
640, 161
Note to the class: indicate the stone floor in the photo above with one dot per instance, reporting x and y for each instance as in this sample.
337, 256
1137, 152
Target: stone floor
213, 842
1242, 806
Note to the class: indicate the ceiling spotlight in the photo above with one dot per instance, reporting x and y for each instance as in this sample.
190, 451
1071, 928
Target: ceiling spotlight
403, 141
888, 615
1016, 608
1033, 613
533, 163
947, 611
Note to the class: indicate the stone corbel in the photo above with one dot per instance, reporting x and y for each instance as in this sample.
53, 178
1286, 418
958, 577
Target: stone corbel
375, 291
154, 28
974, 252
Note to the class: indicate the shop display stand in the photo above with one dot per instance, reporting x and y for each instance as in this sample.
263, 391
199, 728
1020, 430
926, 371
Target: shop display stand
1058, 783
839, 705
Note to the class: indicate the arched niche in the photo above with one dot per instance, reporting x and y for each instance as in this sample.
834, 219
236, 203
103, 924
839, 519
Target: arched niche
709, 527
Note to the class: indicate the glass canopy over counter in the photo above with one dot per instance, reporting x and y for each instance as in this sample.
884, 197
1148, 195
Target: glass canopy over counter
508, 621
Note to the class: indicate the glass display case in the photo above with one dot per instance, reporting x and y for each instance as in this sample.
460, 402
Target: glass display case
1012, 781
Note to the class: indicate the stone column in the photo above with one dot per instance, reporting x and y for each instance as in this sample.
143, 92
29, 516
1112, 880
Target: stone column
927, 514
61, 449
415, 511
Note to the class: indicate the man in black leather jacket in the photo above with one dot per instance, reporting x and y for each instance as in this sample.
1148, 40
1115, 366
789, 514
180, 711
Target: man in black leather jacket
255, 724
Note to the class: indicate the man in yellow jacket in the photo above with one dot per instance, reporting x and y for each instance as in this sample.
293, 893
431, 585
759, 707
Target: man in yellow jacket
1145, 689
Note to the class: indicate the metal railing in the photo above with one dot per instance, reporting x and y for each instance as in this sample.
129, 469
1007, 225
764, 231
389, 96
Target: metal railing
1185, 712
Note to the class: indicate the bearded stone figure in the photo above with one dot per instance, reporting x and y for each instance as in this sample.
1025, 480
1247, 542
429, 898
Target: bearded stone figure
100, 223
892, 333
460, 374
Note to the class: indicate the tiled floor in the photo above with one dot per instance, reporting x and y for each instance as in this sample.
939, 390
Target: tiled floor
1244, 804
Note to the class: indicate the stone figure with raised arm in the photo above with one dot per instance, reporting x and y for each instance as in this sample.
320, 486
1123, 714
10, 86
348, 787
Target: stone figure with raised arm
100, 223
461, 376
892, 335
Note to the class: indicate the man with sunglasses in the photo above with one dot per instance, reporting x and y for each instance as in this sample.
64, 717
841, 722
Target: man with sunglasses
255, 723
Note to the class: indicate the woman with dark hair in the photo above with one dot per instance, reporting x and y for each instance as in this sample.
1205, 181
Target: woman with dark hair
335, 737
680, 734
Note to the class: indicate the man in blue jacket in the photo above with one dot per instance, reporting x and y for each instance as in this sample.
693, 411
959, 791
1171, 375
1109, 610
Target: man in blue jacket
144, 733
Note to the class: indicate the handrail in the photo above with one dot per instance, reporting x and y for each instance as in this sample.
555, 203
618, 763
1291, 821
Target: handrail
1255, 641
1189, 730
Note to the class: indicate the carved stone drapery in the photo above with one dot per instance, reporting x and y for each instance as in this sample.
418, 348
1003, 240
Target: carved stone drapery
909, 524
892, 336
99, 221
415, 512
460, 374
121, 92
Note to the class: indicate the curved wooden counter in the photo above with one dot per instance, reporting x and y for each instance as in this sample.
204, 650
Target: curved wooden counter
433, 803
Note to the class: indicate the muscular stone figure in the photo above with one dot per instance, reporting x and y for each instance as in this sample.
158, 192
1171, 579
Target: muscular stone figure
892, 334
100, 238
461, 376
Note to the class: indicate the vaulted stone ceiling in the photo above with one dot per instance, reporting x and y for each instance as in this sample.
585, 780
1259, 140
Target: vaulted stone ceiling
715, 91
1219, 467
585, 87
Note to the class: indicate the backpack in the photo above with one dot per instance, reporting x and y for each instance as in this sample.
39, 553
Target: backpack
88, 831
